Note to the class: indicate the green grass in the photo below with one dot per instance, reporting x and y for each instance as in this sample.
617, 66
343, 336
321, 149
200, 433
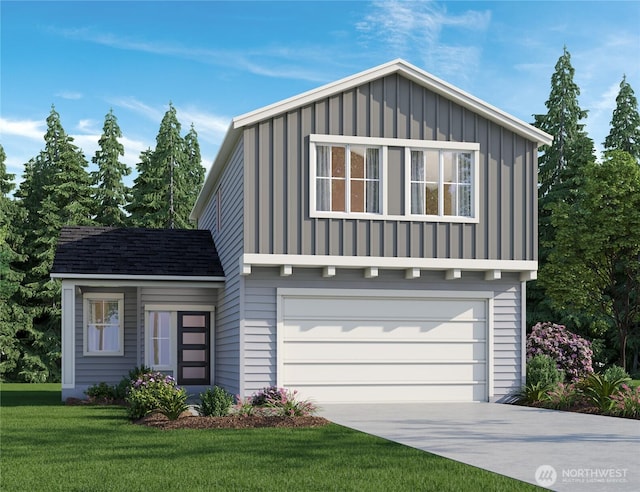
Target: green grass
45, 445
634, 383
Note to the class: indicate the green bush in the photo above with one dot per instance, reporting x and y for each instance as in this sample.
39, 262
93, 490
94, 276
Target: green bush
544, 370
599, 390
172, 403
215, 402
614, 373
533, 394
562, 396
626, 402
148, 391
101, 392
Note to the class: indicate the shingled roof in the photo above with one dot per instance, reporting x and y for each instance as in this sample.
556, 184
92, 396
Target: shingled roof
107, 251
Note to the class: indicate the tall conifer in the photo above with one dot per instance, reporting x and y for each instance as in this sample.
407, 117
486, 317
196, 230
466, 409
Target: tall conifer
15, 325
559, 170
111, 194
56, 191
625, 123
169, 178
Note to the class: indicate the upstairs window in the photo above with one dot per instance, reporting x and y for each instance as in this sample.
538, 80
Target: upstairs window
347, 179
442, 183
395, 179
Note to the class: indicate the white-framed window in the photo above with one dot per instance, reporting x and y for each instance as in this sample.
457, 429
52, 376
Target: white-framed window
442, 183
160, 339
103, 324
349, 179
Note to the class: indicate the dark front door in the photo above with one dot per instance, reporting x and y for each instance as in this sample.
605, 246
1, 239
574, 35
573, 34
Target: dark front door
194, 348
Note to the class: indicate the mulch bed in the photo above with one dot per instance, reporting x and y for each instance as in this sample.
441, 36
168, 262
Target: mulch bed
229, 422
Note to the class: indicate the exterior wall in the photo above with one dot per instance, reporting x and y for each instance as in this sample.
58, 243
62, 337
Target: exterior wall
276, 180
261, 316
90, 370
229, 242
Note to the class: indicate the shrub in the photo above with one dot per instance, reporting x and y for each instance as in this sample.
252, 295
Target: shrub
285, 403
146, 392
626, 402
562, 396
101, 392
271, 401
543, 369
215, 402
599, 390
533, 394
172, 404
615, 372
571, 352
270, 393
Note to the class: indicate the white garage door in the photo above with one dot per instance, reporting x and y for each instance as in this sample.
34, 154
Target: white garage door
346, 347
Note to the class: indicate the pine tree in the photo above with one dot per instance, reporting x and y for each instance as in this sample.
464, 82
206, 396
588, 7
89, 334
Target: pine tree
56, 191
147, 204
14, 322
111, 195
193, 170
560, 173
169, 178
625, 123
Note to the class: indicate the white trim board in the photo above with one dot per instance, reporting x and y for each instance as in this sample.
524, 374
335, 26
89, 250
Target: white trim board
526, 268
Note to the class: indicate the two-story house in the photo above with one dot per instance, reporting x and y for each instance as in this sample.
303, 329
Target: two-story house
372, 240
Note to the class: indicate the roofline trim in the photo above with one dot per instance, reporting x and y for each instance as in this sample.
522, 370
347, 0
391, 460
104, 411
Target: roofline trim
412, 72
158, 278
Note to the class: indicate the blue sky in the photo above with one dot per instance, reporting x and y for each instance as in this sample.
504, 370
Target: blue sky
216, 60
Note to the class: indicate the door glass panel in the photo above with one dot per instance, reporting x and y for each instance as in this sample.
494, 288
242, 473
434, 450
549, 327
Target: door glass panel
193, 321
194, 355
193, 338
193, 373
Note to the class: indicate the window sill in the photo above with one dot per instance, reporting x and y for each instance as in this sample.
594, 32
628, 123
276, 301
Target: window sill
398, 218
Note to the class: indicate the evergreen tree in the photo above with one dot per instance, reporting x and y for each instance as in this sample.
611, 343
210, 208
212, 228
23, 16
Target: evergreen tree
169, 178
147, 204
14, 322
560, 174
625, 123
111, 195
56, 191
193, 170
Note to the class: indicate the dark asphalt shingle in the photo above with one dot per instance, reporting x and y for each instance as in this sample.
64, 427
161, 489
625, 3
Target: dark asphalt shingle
136, 251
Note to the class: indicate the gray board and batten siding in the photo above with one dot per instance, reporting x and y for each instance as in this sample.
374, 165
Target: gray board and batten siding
276, 179
260, 312
227, 235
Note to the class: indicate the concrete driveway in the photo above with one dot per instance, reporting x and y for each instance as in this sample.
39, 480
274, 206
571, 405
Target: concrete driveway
560, 450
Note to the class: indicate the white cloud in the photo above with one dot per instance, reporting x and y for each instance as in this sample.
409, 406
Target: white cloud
211, 128
30, 129
278, 62
88, 126
70, 95
415, 29
133, 104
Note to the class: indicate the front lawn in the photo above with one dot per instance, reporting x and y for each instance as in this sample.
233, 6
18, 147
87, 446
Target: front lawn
48, 446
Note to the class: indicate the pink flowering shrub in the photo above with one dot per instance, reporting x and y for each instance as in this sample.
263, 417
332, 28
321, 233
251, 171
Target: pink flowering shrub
152, 391
626, 402
275, 401
572, 353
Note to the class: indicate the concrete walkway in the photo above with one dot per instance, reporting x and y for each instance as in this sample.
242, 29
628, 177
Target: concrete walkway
560, 450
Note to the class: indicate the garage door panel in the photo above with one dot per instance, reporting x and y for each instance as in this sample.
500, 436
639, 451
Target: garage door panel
381, 393
383, 351
388, 330
297, 374
345, 308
